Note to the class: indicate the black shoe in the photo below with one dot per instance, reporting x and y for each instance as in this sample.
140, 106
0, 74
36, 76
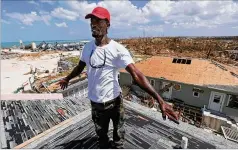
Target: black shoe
113, 145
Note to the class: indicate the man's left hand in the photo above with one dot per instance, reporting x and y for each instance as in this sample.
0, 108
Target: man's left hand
167, 110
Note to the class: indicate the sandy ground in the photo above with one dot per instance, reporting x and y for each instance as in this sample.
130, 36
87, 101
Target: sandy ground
12, 70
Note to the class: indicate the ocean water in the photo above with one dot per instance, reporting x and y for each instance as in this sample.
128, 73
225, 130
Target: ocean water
11, 44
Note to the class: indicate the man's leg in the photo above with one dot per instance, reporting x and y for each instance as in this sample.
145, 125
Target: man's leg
117, 116
101, 120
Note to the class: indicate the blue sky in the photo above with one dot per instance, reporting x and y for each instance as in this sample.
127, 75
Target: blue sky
64, 20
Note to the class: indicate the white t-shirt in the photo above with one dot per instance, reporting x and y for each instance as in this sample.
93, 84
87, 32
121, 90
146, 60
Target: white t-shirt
103, 82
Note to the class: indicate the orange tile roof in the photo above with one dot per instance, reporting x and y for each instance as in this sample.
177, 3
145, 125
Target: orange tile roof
199, 72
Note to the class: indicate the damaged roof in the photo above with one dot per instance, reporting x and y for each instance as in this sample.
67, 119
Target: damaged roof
142, 132
199, 72
29, 124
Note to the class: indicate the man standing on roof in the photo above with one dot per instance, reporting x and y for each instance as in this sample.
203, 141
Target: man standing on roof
103, 58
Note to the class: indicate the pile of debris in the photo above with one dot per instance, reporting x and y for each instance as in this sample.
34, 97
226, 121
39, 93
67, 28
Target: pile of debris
46, 81
64, 64
44, 46
38, 55
208, 48
189, 114
9, 55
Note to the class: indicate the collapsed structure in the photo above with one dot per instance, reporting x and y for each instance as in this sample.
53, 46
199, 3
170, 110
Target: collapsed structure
193, 85
63, 46
216, 48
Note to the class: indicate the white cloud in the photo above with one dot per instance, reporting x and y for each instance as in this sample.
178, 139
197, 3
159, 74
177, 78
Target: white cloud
154, 16
124, 16
51, 2
30, 18
64, 14
193, 14
235, 27
4, 11
82, 7
158, 8
184, 14
63, 24
33, 2
42, 12
4, 21
118, 16
151, 28
22, 27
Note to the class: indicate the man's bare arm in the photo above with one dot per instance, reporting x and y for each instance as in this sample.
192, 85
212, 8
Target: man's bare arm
77, 70
143, 82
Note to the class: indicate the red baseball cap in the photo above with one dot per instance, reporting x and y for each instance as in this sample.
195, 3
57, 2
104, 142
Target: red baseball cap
99, 12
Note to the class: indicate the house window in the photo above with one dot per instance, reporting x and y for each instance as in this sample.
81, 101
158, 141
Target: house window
217, 99
232, 101
196, 94
177, 87
152, 82
166, 87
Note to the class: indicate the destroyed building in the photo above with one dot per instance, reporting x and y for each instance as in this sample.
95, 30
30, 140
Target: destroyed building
196, 82
206, 91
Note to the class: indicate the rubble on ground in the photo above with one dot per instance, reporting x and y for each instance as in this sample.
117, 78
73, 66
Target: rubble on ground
206, 48
53, 46
9, 55
38, 55
42, 80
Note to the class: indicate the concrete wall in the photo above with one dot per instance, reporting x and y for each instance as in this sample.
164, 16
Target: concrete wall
186, 94
230, 111
125, 79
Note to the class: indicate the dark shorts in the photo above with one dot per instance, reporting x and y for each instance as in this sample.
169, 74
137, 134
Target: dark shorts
101, 115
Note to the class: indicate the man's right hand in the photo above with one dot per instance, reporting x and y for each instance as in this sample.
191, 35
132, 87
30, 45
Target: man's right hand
64, 83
